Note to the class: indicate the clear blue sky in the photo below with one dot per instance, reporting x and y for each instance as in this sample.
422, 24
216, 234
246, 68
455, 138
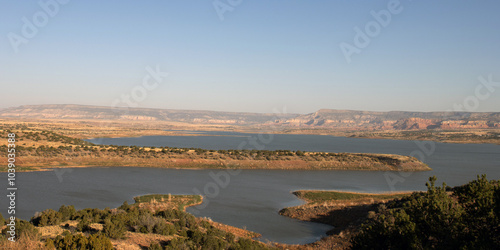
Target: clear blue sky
264, 55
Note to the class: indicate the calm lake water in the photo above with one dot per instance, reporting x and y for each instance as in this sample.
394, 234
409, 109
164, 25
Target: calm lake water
250, 198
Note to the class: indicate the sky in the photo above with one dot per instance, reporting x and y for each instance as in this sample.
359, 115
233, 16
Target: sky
252, 56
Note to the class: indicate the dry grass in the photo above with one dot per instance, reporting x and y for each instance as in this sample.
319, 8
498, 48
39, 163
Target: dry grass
158, 202
238, 232
23, 242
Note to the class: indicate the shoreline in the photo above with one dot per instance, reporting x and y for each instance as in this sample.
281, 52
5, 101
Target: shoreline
92, 128
38, 168
348, 134
344, 210
138, 237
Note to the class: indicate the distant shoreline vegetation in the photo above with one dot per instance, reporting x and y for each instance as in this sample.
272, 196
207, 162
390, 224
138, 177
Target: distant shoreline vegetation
47, 149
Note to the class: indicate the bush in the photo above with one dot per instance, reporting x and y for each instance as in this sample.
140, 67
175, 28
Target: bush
147, 223
83, 225
99, 241
154, 246
93, 214
114, 228
67, 212
48, 217
163, 228
125, 206
79, 241
24, 229
180, 243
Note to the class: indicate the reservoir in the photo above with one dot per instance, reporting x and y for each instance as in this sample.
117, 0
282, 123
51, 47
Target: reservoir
249, 199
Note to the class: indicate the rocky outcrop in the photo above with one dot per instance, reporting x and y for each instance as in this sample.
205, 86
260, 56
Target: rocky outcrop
139, 114
397, 120
415, 123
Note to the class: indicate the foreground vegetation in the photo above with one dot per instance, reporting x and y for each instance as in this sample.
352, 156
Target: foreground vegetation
463, 217
125, 227
47, 149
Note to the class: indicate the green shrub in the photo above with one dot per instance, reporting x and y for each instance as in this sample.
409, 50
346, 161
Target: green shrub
79, 241
180, 243
196, 236
93, 214
163, 228
99, 242
154, 246
67, 212
147, 223
83, 225
125, 206
114, 228
48, 217
463, 219
49, 244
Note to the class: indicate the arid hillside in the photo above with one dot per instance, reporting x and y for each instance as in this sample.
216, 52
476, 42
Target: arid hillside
349, 120
395, 120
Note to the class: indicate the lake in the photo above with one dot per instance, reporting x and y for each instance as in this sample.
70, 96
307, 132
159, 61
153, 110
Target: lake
454, 164
250, 198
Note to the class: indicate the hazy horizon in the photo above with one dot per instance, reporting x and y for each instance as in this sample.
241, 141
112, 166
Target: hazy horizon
253, 56
276, 111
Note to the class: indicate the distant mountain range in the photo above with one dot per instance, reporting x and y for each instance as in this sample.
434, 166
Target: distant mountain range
322, 119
